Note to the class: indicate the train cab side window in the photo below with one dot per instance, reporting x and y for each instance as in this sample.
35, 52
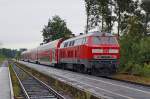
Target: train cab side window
84, 40
78, 42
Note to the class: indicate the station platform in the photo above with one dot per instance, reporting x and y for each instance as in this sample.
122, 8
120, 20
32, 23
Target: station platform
5, 84
106, 88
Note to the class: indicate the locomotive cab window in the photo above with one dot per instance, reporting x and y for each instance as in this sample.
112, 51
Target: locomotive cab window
104, 40
78, 42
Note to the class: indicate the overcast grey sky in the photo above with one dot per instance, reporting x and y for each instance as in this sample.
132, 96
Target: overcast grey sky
22, 20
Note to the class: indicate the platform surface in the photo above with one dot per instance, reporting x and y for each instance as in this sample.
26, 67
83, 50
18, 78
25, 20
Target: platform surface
96, 85
5, 91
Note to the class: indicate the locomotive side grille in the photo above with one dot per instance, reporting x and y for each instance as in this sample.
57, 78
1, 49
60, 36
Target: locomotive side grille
103, 57
106, 56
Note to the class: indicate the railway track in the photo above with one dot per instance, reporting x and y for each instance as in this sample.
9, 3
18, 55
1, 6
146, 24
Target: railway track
33, 88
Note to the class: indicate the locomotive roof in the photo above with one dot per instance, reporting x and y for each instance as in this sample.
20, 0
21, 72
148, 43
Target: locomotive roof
95, 33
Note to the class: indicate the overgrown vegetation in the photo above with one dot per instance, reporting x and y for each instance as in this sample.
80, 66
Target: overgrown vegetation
135, 50
135, 57
1, 59
132, 78
15, 83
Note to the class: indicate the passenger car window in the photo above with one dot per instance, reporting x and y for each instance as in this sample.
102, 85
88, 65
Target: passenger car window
66, 44
70, 43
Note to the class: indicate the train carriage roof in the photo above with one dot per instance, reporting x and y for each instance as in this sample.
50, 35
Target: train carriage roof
25, 52
52, 44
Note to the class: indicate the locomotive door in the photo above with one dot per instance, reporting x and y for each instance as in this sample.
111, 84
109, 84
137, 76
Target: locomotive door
50, 56
53, 56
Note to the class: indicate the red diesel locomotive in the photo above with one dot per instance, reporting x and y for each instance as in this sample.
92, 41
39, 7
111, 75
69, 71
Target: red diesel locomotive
96, 53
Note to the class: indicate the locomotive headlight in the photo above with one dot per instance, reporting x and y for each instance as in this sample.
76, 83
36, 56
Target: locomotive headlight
113, 51
97, 51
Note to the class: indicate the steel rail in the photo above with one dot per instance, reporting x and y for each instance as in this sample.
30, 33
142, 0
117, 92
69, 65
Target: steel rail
22, 87
51, 91
48, 87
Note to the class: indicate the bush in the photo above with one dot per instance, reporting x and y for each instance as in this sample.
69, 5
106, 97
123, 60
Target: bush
144, 50
135, 57
146, 70
137, 70
1, 58
126, 68
135, 50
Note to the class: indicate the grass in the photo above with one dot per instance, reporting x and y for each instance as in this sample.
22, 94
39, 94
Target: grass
134, 73
2, 58
15, 83
133, 78
136, 69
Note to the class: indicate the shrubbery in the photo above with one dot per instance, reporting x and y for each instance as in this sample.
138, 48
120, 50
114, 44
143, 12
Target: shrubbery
135, 58
1, 59
135, 51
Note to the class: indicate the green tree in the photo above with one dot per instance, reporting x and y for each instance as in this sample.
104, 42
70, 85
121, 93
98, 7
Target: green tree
17, 55
124, 9
146, 7
98, 14
88, 4
101, 13
92, 14
55, 29
133, 44
8, 53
